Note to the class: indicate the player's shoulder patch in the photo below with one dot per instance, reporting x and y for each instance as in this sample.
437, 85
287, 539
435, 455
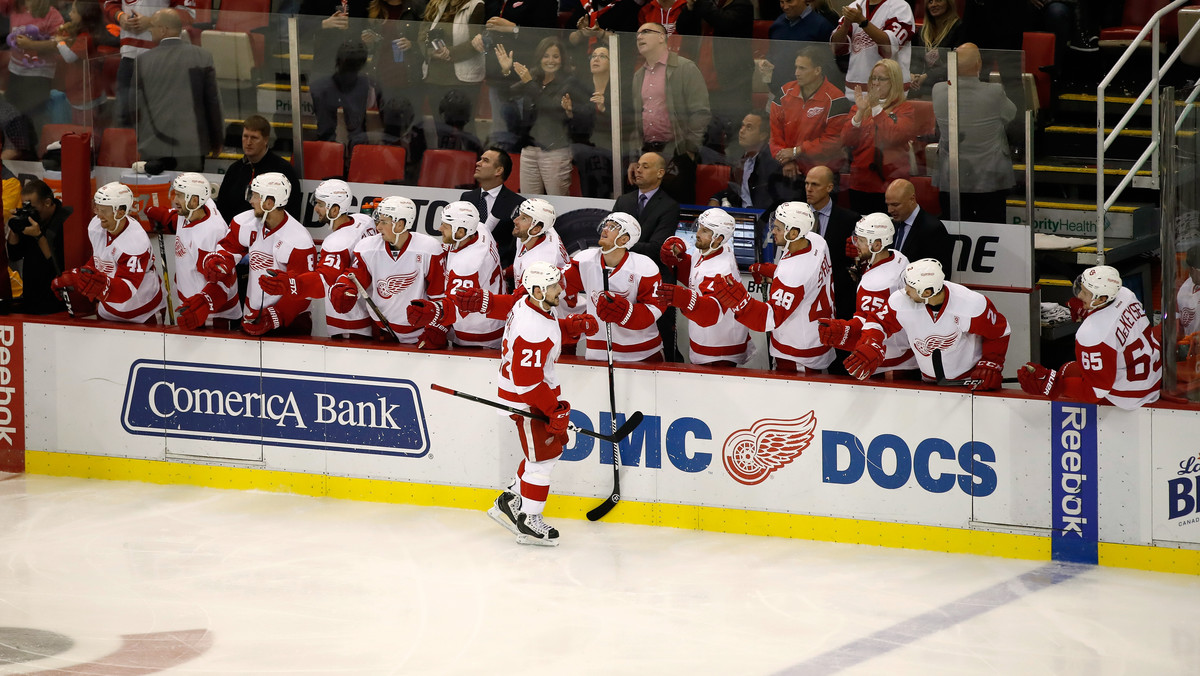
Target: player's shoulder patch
965, 302
641, 264
587, 255
133, 240
422, 243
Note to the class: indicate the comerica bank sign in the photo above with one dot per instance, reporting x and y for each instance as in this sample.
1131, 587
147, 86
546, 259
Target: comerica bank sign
358, 414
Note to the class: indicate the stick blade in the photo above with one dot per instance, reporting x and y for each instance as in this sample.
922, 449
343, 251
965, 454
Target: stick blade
630, 425
605, 507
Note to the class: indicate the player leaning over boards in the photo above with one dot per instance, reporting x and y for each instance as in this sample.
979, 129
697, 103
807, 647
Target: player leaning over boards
532, 342
882, 276
275, 242
1118, 357
936, 315
715, 336
122, 277
198, 228
332, 201
472, 263
801, 293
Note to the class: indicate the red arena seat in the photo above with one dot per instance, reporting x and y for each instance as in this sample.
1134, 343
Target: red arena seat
118, 148
710, 180
377, 164
447, 168
324, 159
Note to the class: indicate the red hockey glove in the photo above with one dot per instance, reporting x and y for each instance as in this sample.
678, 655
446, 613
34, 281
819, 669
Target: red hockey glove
762, 272
218, 267
424, 313
560, 419
580, 324
92, 283
866, 358
67, 280
343, 294
672, 252
433, 337
267, 320
195, 311
839, 333
282, 283
472, 299
1078, 311
613, 308
985, 376
851, 249
162, 219
730, 294
1038, 380
676, 296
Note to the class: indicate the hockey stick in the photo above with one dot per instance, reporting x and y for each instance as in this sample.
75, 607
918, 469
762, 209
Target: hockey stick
617, 435
605, 507
162, 251
939, 373
383, 324
766, 298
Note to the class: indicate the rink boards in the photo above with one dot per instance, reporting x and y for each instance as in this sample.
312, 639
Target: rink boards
745, 453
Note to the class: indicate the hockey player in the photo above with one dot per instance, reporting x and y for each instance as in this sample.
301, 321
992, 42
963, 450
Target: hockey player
396, 267
801, 293
531, 345
332, 202
533, 227
122, 277
274, 241
882, 275
629, 304
936, 314
1118, 357
198, 228
716, 338
1187, 308
472, 262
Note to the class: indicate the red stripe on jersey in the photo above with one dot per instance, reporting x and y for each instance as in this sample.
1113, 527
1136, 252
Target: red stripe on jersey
130, 314
479, 337
717, 351
339, 323
651, 344
792, 351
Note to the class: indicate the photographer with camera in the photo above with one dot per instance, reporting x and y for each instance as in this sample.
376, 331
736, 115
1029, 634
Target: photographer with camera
35, 237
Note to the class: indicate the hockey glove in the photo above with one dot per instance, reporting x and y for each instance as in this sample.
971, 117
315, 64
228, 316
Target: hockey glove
672, 252
574, 326
985, 376
67, 280
560, 419
851, 249
1038, 380
730, 294
839, 333
267, 320
218, 267
93, 284
162, 219
195, 311
282, 283
1078, 311
472, 299
433, 337
424, 313
762, 272
673, 295
866, 358
613, 308
343, 294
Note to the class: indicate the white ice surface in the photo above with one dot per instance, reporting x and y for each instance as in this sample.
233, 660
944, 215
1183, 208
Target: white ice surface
296, 585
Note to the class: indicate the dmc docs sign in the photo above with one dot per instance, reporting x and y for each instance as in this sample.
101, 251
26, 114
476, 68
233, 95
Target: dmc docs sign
278, 408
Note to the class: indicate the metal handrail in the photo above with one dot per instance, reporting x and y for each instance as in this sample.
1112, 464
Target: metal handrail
1103, 142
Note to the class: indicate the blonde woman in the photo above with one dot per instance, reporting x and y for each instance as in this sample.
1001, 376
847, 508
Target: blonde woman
879, 135
940, 35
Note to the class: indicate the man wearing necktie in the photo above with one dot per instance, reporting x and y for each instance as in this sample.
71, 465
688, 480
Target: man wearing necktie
758, 181
919, 234
494, 201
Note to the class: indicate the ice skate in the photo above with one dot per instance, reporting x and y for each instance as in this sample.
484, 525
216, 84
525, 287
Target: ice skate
533, 531
504, 511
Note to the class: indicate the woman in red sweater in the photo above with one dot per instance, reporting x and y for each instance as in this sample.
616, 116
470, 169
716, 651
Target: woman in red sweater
879, 134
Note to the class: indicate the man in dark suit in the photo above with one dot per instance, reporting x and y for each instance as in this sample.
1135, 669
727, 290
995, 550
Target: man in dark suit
758, 180
658, 214
179, 108
836, 225
495, 202
918, 234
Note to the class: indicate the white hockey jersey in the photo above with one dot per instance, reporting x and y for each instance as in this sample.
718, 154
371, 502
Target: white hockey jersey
967, 329
726, 340
531, 344
194, 241
288, 247
476, 265
135, 290
549, 249
635, 278
1187, 307
1119, 353
335, 258
894, 17
395, 278
802, 293
876, 286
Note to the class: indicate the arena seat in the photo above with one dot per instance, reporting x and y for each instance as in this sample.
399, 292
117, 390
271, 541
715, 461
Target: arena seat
118, 148
323, 159
926, 127
54, 132
513, 182
1135, 16
710, 180
377, 164
927, 195
447, 168
1039, 53
243, 15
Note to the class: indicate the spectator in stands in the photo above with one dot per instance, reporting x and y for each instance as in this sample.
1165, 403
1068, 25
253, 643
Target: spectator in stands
329, 23
32, 59
179, 108
757, 179
448, 131
807, 120
133, 16
593, 154
836, 226
995, 25
872, 30
985, 170
799, 23
257, 159
1073, 22
390, 36
452, 61
727, 26
502, 31
83, 80
494, 201
941, 32
880, 134
919, 234
19, 139
349, 90
36, 241
670, 110
658, 214
547, 95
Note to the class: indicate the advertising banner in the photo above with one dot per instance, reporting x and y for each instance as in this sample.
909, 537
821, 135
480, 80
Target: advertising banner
12, 396
1073, 489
